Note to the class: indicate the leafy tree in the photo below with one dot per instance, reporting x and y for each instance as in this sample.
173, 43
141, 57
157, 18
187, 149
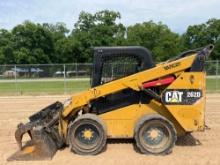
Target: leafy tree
35, 43
202, 35
157, 37
23, 56
53, 43
61, 43
99, 29
6, 49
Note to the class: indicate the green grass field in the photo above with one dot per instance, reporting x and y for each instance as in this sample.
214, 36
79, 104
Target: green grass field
213, 85
42, 87
59, 87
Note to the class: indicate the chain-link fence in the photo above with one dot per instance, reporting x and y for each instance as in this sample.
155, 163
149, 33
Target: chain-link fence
213, 76
44, 79
66, 78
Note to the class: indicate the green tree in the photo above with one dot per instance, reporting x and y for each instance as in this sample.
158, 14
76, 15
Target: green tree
99, 29
157, 37
53, 43
6, 47
62, 45
202, 35
32, 43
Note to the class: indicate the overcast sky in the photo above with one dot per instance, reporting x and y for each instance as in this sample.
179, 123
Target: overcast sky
177, 14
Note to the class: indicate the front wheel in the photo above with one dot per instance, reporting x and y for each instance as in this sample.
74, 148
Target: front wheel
155, 135
87, 135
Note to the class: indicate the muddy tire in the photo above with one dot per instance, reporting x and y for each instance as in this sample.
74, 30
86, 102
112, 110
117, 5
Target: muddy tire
155, 135
87, 135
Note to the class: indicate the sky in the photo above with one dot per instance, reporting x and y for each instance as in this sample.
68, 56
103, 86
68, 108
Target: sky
177, 14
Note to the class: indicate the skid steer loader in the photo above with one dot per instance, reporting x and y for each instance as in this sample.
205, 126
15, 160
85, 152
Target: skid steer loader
130, 97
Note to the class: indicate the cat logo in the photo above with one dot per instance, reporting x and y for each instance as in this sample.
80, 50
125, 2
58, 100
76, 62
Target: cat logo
181, 96
173, 97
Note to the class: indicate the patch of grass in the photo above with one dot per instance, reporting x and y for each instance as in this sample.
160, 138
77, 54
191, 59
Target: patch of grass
68, 87
42, 87
213, 84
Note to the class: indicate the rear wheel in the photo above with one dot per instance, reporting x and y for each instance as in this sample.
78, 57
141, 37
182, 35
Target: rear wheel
87, 135
155, 135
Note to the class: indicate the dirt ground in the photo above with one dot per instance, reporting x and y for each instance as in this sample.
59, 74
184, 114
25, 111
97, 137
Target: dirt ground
16, 109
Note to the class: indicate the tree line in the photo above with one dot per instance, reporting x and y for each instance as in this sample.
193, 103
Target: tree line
34, 43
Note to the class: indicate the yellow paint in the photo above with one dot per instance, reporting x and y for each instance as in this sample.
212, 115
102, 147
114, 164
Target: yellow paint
154, 134
87, 134
190, 117
121, 122
63, 126
28, 150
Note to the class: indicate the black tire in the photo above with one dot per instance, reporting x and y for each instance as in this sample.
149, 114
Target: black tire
87, 135
155, 135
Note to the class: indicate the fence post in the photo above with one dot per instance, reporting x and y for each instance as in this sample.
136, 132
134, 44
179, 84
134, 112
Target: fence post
216, 78
112, 71
15, 76
76, 69
64, 77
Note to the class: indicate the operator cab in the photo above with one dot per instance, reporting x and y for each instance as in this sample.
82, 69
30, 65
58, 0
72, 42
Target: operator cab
111, 63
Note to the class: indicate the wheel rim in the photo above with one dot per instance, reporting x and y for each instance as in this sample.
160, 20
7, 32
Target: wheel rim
87, 136
155, 136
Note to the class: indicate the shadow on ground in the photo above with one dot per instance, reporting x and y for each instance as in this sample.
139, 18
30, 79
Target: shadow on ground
187, 140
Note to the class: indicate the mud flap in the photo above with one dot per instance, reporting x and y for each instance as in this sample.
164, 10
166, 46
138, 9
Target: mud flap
40, 147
